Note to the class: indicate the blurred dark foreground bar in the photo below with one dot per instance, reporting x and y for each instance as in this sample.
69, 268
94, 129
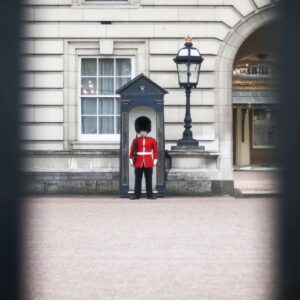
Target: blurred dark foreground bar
289, 155
289, 158
10, 177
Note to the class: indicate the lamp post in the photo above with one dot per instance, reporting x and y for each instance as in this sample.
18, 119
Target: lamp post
188, 61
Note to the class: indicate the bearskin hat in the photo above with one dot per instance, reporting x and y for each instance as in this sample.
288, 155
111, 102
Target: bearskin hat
142, 123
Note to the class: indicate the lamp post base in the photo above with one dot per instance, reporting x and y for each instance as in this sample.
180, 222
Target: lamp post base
188, 147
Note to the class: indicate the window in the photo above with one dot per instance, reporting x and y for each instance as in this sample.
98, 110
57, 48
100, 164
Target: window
99, 104
263, 128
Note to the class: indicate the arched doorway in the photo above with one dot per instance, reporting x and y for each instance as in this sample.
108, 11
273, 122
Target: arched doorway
255, 101
224, 90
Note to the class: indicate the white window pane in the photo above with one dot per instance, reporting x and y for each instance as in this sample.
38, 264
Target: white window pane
118, 106
89, 125
106, 106
88, 86
123, 67
106, 124
88, 106
106, 67
121, 81
118, 121
194, 73
89, 67
106, 86
183, 77
183, 52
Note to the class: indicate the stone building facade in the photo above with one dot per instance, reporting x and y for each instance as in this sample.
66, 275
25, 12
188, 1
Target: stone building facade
70, 140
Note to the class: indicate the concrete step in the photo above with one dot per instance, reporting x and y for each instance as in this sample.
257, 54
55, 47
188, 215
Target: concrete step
239, 193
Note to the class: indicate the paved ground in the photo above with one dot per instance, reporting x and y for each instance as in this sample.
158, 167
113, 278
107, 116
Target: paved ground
174, 248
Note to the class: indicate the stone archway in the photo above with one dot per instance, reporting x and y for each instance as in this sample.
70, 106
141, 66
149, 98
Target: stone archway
223, 80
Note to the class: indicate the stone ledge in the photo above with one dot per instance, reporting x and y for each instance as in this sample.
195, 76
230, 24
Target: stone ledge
96, 183
71, 152
107, 183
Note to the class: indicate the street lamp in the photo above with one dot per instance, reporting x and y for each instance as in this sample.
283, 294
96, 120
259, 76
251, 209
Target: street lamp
188, 61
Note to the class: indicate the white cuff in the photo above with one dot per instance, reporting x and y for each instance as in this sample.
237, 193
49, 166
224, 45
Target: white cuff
131, 161
155, 162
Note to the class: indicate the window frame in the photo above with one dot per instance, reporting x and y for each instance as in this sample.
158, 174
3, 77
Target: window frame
98, 136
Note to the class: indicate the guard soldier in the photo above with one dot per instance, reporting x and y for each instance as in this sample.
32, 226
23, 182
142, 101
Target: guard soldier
140, 157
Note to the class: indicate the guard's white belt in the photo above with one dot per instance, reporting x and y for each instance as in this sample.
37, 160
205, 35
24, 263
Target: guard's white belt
142, 153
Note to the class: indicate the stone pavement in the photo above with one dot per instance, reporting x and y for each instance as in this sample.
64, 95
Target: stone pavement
89, 248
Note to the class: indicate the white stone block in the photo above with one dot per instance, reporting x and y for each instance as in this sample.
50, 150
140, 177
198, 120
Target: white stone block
153, 14
48, 114
170, 80
42, 114
58, 14
39, 132
261, 3
227, 15
198, 97
36, 145
82, 30
171, 114
172, 46
106, 46
165, 80
48, 80
210, 2
208, 46
166, 63
200, 131
166, 46
42, 97
71, 96
217, 30
71, 114
199, 114
223, 113
204, 132
48, 2
49, 46
40, 30
106, 14
200, 14
43, 63
174, 114
180, 30
65, 2
245, 7
175, 2
137, 30
162, 63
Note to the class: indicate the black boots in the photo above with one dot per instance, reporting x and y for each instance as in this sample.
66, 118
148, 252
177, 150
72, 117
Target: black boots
135, 197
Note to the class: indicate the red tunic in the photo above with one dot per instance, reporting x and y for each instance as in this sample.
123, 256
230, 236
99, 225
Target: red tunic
146, 144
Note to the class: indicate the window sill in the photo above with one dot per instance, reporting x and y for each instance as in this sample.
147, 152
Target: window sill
92, 145
108, 4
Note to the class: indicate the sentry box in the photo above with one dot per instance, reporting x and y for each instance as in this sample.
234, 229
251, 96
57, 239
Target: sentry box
141, 97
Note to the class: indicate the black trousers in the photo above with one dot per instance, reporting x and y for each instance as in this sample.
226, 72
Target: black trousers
138, 180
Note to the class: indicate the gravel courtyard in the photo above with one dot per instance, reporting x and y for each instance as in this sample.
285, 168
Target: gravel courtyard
89, 248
